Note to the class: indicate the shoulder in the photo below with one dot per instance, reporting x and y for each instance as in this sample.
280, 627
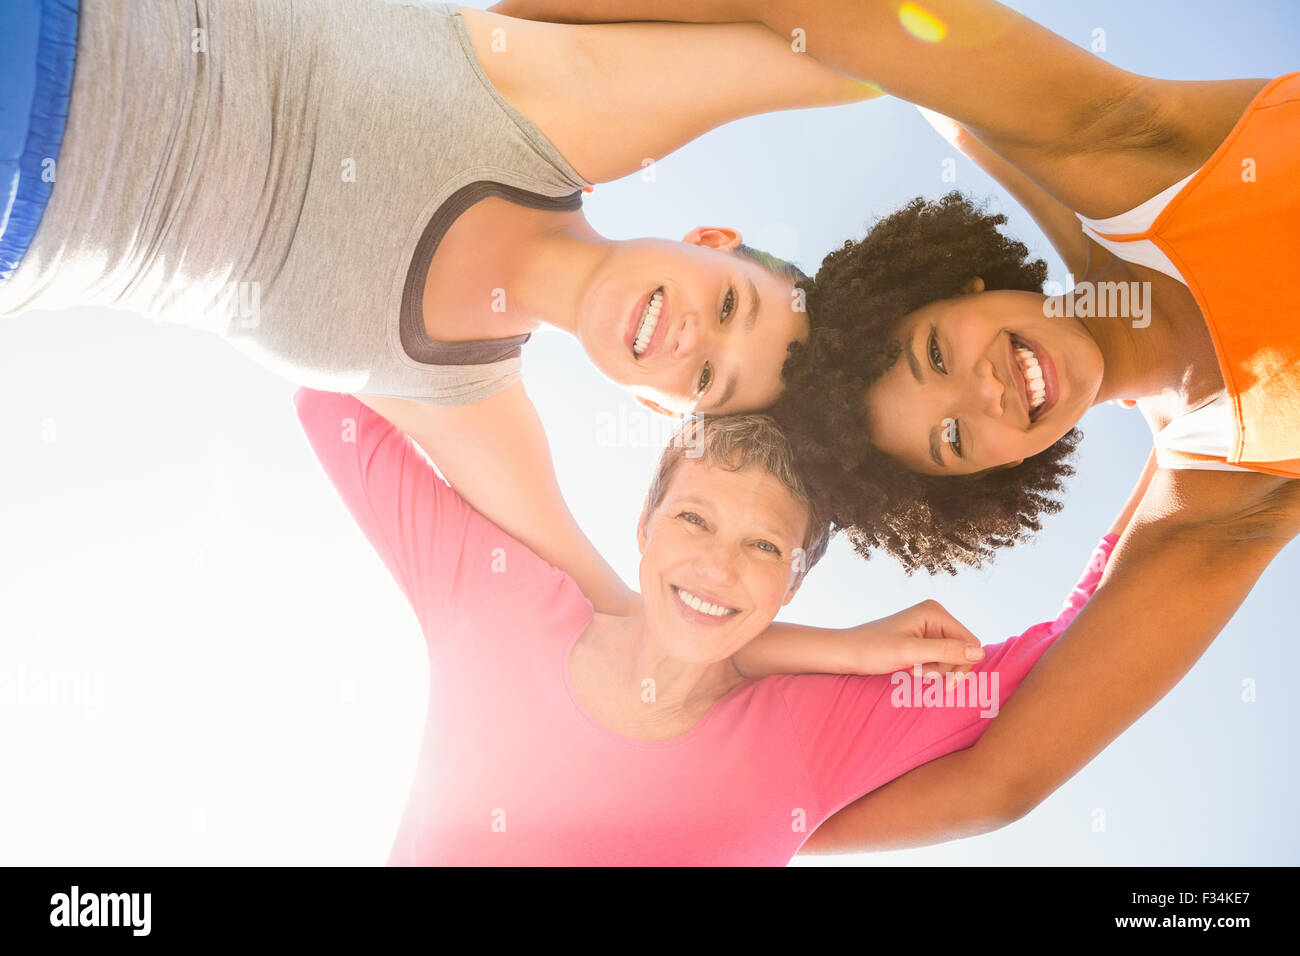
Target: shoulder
539, 53
1190, 119
1145, 134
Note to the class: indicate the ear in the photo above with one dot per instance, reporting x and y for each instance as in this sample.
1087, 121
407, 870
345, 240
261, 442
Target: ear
655, 407
974, 285
715, 237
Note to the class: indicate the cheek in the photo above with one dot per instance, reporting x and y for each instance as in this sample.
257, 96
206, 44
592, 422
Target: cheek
769, 584
1011, 444
1095, 366
1083, 358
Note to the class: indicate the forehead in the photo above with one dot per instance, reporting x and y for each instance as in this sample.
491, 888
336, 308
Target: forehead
759, 355
749, 497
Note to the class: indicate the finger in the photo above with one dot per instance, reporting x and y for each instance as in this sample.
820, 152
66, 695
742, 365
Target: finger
952, 674
937, 622
942, 650
950, 677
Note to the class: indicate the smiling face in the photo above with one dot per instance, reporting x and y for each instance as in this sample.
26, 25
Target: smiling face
717, 559
690, 325
984, 380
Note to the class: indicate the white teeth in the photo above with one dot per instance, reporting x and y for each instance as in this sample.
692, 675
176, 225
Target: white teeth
649, 319
1033, 375
699, 604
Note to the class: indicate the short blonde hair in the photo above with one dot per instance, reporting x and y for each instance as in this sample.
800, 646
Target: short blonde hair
736, 442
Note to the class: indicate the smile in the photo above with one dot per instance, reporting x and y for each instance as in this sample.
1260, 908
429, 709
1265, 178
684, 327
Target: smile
701, 606
646, 322
1036, 375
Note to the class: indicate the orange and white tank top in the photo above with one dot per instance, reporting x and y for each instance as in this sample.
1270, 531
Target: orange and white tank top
1230, 232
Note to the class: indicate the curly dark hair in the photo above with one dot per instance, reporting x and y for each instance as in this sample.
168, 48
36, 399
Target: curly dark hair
924, 252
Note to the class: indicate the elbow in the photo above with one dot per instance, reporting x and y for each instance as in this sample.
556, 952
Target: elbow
1016, 808
1013, 800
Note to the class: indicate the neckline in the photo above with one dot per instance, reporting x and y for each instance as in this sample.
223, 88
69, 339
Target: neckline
1208, 167
1141, 217
413, 344
414, 337
682, 738
526, 126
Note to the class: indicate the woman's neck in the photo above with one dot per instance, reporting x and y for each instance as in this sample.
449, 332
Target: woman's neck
502, 268
550, 265
631, 682
1149, 343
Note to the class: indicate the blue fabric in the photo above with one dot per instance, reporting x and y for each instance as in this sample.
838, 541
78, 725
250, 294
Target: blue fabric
38, 49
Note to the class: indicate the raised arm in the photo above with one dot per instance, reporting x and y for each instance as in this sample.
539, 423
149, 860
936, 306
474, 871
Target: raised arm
1057, 220
495, 455
1198, 543
1134, 501
612, 96
1098, 138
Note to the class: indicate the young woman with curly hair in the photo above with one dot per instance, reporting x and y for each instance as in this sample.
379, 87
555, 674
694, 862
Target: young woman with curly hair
864, 292
937, 361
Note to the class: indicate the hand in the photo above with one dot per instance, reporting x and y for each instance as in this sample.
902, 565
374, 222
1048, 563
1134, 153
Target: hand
924, 637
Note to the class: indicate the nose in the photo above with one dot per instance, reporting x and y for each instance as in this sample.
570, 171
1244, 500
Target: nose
989, 393
715, 564
688, 337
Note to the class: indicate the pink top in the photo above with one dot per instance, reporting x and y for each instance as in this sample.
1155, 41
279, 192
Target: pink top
514, 770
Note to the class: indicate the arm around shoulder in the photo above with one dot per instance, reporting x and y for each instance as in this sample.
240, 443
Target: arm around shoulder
1196, 546
494, 453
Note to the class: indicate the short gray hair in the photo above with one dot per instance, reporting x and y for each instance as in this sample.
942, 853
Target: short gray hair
736, 442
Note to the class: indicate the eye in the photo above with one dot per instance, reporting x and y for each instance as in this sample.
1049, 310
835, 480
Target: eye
769, 547
692, 518
936, 357
956, 439
729, 304
706, 379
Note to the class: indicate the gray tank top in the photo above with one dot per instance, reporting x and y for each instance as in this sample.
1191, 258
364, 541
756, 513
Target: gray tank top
280, 173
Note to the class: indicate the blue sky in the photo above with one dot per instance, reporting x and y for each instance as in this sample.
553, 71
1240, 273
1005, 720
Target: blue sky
241, 681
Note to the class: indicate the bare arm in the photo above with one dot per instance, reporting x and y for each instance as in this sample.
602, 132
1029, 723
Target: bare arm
1057, 220
1198, 543
611, 96
1134, 501
1098, 138
495, 454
